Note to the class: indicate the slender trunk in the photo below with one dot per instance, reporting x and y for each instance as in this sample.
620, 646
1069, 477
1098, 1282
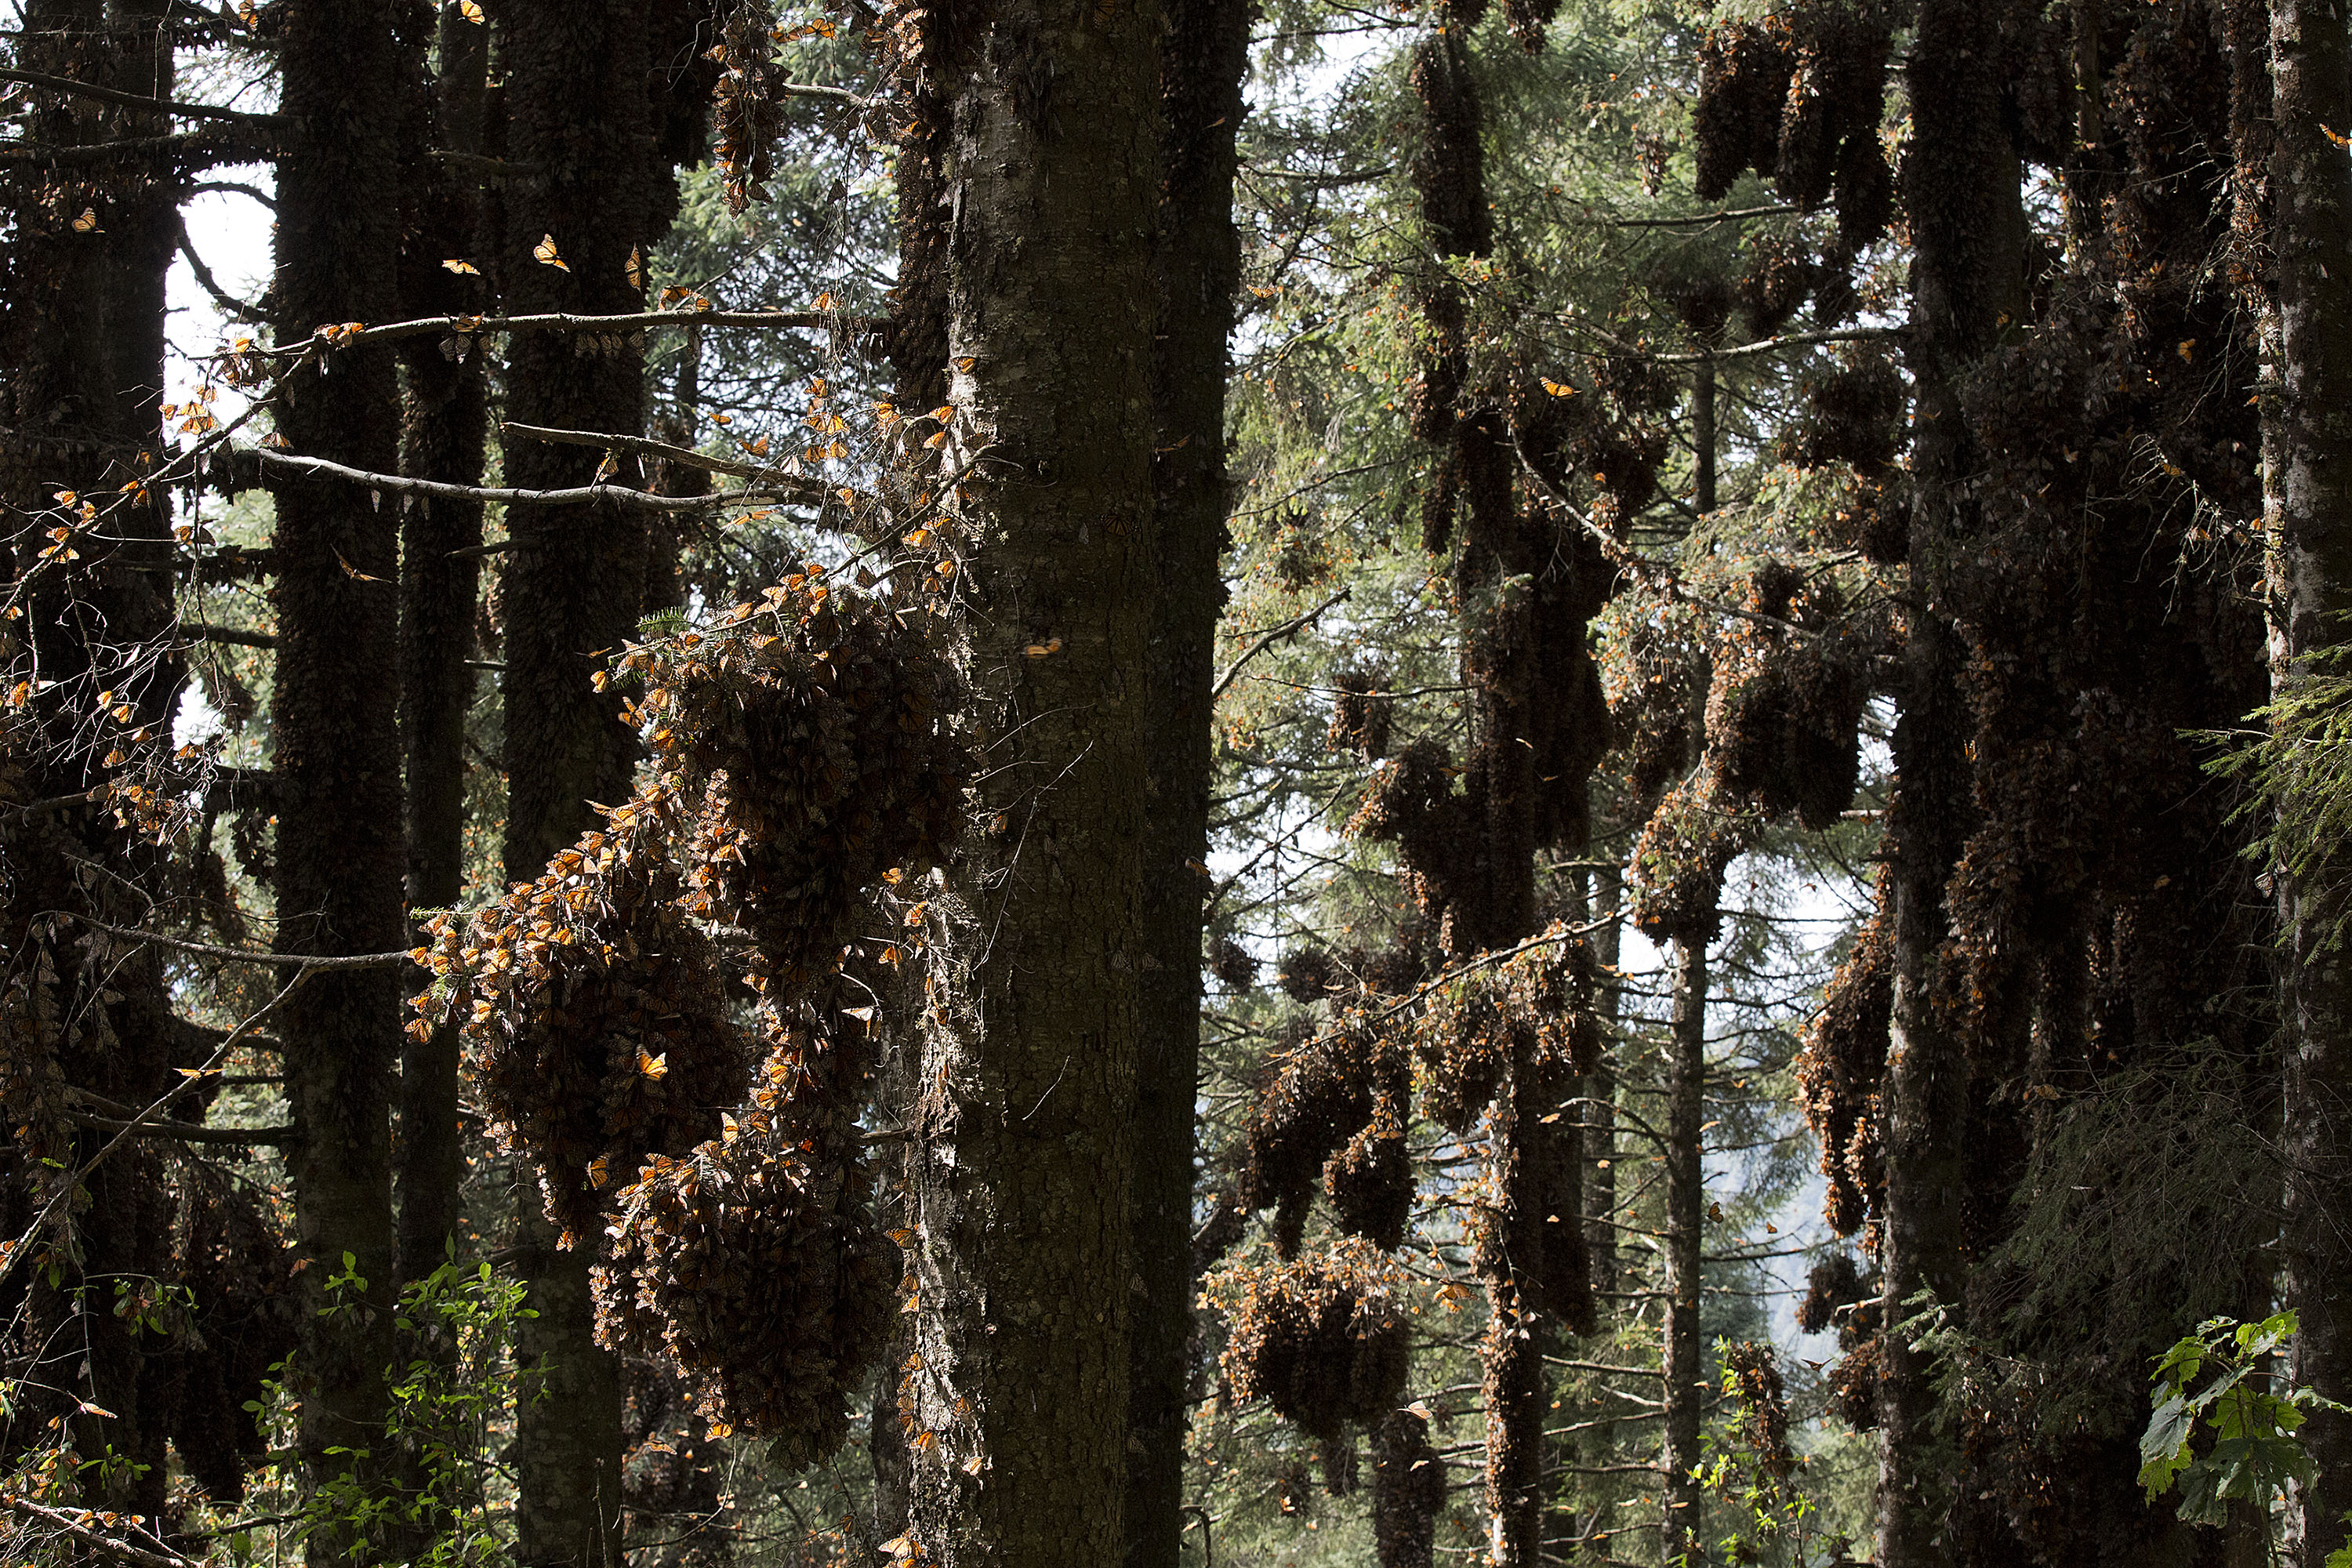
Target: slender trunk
338, 749
1686, 1379
1703, 436
443, 428
1599, 1131
1686, 1384
2308, 501
580, 118
1025, 1143
1201, 63
1961, 191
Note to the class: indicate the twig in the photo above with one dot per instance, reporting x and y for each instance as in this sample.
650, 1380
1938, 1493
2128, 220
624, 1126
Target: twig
137, 101
1267, 639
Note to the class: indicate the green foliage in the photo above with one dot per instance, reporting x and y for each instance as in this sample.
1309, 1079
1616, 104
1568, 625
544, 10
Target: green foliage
2251, 1452
438, 1483
2296, 771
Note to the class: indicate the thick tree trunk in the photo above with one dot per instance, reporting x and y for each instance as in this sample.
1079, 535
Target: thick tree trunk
1686, 1381
83, 352
337, 751
443, 428
1203, 60
1961, 193
580, 119
1022, 1252
2308, 502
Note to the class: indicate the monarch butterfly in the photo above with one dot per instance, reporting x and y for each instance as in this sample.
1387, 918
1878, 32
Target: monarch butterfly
87, 222
464, 269
544, 253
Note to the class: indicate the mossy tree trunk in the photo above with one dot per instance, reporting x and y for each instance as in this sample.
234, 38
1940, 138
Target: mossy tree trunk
1022, 1255
2307, 499
1202, 59
338, 849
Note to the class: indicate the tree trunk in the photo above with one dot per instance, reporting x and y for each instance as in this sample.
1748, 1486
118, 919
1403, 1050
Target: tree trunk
339, 849
1201, 63
443, 428
1961, 191
1600, 1129
1022, 1253
1685, 1368
580, 119
2307, 498
83, 356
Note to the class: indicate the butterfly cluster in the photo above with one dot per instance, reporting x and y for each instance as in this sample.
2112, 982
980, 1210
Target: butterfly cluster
801, 768
1322, 1340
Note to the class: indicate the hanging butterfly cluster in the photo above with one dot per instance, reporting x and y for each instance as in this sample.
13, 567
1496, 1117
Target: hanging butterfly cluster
802, 769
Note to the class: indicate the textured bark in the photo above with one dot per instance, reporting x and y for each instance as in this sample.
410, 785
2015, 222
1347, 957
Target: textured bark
339, 851
81, 350
580, 118
1023, 1256
1202, 59
443, 428
1685, 1365
2307, 502
1961, 193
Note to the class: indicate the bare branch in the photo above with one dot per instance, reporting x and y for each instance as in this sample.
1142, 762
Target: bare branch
188, 1132
1786, 341
65, 1523
582, 495
830, 94
1730, 214
639, 447
137, 101
237, 636
1267, 639
425, 326
252, 956
229, 144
